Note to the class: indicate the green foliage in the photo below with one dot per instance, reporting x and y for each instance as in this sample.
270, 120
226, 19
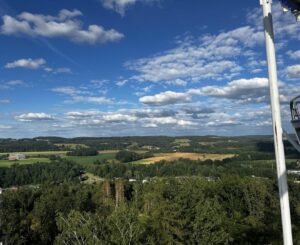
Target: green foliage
128, 156
209, 225
81, 228
83, 151
125, 226
39, 173
186, 210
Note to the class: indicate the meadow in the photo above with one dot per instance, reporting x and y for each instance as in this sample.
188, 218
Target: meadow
177, 155
7, 163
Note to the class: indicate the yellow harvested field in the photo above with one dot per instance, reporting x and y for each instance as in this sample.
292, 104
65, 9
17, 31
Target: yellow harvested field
178, 155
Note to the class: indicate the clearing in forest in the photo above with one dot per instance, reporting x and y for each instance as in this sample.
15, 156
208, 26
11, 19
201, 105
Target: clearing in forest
177, 155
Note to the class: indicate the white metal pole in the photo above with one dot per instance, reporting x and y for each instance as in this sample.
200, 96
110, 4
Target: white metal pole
277, 128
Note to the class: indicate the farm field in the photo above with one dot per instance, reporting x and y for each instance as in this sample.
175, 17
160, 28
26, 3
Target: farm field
174, 156
35, 153
71, 146
92, 159
7, 163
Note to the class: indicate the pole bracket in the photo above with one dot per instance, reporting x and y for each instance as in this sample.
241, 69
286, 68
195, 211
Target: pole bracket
291, 140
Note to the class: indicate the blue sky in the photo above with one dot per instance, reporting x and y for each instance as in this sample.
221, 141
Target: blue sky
141, 67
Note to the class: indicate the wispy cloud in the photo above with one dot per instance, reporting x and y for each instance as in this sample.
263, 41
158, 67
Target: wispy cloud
59, 70
4, 101
81, 95
120, 6
12, 84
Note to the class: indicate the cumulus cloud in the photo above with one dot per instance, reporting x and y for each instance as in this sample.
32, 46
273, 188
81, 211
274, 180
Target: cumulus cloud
284, 24
154, 122
120, 6
29, 117
197, 59
293, 71
246, 90
129, 117
165, 98
26, 63
64, 25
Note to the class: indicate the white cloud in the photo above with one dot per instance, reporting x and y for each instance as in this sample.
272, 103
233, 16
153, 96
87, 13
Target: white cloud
26, 63
295, 55
165, 98
89, 100
246, 90
81, 95
178, 82
3, 127
120, 6
58, 70
29, 117
4, 101
65, 25
68, 90
11, 84
219, 123
121, 83
153, 122
209, 57
112, 117
293, 71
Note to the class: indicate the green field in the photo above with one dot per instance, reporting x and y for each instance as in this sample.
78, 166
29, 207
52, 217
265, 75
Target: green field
34, 153
91, 159
7, 163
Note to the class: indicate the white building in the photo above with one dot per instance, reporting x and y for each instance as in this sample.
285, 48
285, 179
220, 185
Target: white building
16, 157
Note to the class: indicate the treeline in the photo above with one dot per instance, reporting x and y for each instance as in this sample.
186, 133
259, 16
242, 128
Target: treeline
130, 156
55, 172
185, 167
231, 210
60, 170
83, 152
26, 145
205, 144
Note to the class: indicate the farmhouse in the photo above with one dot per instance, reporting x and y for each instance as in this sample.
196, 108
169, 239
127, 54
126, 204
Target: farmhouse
15, 156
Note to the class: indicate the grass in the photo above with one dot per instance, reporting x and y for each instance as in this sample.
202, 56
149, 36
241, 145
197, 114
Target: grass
7, 163
177, 155
35, 153
182, 142
91, 159
92, 179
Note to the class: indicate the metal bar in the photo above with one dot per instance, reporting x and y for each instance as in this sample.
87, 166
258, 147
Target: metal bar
293, 142
277, 128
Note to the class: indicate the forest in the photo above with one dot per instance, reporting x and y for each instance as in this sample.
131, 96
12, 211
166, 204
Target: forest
121, 200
